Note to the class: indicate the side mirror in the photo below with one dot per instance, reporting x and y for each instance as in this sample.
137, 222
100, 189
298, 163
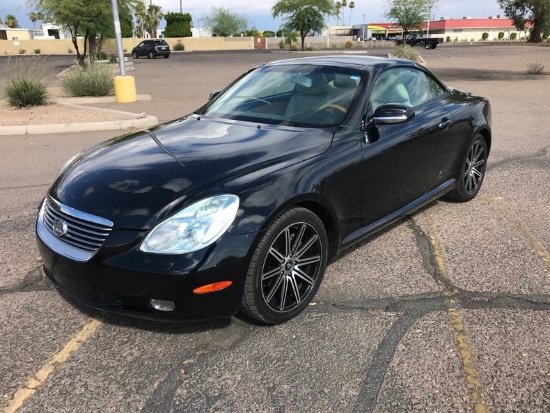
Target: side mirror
214, 94
392, 113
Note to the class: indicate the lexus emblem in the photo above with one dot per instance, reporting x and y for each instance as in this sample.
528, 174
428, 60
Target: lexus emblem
60, 227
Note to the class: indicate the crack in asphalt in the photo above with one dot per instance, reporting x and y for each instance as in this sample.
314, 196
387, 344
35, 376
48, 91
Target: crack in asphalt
538, 156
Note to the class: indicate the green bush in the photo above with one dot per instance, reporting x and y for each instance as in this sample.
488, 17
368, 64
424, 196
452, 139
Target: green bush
26, 84
448, 39
113, 58
513, 36
178, 24
484, 36
88, 80
268, 33
407, 52
36, 51
348, 44
282, 44
101, 55
179, 47
500, 35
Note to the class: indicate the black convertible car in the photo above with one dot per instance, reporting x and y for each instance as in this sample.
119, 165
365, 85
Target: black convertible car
241, 205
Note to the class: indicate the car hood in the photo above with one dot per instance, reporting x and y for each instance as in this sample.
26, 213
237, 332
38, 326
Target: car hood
137, 179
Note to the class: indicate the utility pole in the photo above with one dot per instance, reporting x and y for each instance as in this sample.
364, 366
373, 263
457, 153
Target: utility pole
181, 7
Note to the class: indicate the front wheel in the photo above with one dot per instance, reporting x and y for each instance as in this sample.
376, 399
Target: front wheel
286, 268
428, 46
473, 172
151, 55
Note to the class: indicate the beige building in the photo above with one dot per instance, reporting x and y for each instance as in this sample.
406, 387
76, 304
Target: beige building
471, 30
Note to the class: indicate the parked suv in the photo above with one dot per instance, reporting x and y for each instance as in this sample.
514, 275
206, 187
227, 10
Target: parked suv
151, 48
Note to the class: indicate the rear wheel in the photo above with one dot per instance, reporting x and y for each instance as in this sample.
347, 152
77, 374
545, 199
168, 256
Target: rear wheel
287, 267
135, 54
166, 56
473, 172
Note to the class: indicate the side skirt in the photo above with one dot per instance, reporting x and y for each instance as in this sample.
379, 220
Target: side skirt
408, 209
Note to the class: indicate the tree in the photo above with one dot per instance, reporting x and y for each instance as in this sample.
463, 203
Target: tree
409, 14
338, 6
225, 22
154, 14
351, 7
34, 16
529, 13
89, 19
344, 4
304, 16
178, 25
11, 21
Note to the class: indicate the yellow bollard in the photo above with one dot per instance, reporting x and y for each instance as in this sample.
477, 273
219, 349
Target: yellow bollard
125, 89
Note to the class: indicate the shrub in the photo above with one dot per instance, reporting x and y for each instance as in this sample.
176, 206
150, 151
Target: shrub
36, 51
484, 36
448, 39
407, 52
70, 50
269, 33
113, 58
100, 55
500, 35
535, 68
513, 36
22, 51
179, 47
348, 44
26, 84
281, 44
88, 80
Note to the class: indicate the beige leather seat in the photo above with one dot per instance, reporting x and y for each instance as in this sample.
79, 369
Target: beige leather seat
308, 98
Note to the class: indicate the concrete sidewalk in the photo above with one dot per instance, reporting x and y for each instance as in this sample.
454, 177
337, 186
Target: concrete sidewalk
136, 120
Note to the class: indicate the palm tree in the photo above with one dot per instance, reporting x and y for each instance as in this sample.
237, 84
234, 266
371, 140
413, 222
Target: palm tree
344, 5
338, 7
141, 16
34, 16
351, 7
154, 13
11, 21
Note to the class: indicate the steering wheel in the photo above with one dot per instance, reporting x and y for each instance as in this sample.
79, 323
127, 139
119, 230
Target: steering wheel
335, 106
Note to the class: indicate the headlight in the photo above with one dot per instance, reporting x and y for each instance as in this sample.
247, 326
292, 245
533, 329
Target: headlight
193, 228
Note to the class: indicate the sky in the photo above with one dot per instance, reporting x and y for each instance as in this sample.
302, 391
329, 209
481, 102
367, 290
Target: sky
258, 13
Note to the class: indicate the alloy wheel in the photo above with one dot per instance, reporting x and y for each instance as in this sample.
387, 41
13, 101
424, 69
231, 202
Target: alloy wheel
292, 267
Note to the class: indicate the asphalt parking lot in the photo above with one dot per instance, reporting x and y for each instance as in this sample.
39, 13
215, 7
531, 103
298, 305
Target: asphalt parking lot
446, 311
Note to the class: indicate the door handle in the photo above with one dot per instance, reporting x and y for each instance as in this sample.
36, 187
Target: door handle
445, 124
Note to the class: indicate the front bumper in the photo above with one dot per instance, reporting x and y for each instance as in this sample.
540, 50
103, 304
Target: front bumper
122, 279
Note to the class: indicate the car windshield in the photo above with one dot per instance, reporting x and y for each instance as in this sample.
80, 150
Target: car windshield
298, 95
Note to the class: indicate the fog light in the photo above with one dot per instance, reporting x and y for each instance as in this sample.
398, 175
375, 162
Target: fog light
163, 305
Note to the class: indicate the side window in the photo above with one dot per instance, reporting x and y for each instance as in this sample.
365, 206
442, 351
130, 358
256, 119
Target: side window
404, 85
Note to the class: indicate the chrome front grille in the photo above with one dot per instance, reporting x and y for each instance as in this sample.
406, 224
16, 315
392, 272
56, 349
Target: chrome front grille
71, 233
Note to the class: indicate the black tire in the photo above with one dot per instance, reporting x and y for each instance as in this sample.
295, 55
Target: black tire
287, 267
428, 45
434, 45
151, 55
135, 54
166, 56
472, 173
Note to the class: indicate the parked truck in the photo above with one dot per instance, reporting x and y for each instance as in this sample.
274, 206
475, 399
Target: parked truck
415, 40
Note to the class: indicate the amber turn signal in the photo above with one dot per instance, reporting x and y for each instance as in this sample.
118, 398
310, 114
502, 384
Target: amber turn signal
212, 288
